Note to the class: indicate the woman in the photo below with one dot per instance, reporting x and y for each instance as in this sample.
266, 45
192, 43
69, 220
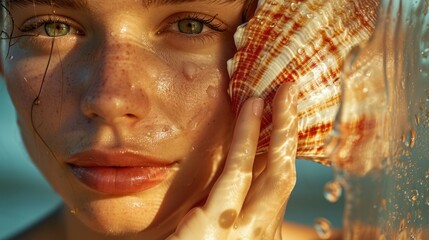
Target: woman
124, 109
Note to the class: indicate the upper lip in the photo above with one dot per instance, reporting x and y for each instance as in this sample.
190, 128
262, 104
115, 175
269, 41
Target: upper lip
114, 158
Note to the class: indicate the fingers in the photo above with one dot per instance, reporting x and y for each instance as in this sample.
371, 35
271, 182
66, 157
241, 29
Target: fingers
273, 187
284, 136
236, 207
228, 194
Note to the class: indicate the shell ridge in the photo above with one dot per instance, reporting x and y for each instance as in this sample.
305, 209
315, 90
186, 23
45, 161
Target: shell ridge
304, 41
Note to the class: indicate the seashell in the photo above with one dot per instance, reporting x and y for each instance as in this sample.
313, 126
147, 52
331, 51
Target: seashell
304, 42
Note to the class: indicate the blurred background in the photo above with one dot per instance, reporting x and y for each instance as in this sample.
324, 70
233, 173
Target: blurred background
25, 197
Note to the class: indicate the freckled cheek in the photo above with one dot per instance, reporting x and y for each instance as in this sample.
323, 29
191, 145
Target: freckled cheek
208, 100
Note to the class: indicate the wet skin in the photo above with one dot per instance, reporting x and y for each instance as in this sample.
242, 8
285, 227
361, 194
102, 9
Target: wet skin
123, 79
124, 108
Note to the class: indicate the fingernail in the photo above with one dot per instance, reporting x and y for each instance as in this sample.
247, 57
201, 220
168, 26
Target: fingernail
258, 106
293, 91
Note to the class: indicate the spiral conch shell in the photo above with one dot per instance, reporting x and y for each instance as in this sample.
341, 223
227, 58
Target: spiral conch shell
305, 42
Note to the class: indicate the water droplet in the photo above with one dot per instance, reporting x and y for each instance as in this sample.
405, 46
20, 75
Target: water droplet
190, 70
36, 101
235, 226
165, 129
332, 191
368, 74
323, 228
402, 225
329, 33
383, 204
417, 119
73, 211
11, 57
425, 53
194, 122
274, 3
246, 151
412, 138
414, 195
212, 92
293, 6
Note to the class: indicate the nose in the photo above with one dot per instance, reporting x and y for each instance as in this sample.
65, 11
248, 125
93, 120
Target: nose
116, 90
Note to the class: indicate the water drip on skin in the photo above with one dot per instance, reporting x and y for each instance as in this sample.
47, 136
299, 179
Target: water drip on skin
195, 121
212, 91
191, 70
165, 131
74, 211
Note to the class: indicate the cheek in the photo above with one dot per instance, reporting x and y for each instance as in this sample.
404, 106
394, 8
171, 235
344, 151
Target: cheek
205, 93
26, 80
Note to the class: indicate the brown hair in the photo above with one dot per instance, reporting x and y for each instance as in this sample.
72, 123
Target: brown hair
248, 10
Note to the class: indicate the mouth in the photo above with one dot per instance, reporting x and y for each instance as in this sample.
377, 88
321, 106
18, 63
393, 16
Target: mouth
118, 172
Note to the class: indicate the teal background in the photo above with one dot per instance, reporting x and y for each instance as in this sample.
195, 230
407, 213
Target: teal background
25, 196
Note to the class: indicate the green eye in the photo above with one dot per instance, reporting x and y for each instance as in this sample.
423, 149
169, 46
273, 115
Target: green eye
56, 29
190, 26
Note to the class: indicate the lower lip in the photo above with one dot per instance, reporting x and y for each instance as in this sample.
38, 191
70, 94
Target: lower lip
120, 180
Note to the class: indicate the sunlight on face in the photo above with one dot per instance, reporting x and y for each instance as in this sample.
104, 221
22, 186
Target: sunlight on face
123, 107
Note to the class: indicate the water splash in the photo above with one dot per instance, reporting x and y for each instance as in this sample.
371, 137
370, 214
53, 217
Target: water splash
380, 147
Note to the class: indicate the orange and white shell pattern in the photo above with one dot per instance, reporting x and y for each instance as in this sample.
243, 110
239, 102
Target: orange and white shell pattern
302, 41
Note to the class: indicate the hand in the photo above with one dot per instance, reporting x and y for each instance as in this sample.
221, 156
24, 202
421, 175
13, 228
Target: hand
244, 205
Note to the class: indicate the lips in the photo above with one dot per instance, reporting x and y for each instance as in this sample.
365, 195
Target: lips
118, 172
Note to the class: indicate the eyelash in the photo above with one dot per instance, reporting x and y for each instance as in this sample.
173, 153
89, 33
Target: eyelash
206, 20
36, 26
40, 21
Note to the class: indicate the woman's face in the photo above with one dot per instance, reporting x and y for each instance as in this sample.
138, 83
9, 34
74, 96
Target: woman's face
123, 105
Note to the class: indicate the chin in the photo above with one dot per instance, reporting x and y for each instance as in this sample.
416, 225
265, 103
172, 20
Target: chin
118, 215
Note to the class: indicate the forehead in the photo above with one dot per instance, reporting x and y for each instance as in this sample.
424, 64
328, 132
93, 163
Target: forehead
84, 3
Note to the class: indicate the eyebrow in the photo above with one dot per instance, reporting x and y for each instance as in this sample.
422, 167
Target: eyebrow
54, 3
78, 4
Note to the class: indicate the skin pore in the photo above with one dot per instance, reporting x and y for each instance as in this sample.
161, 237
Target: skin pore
142, 84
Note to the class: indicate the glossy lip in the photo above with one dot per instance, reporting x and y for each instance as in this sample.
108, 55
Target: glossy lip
118, 172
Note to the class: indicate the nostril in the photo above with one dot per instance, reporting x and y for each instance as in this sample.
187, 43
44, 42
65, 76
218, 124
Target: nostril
93, 115
130, 115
